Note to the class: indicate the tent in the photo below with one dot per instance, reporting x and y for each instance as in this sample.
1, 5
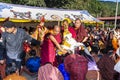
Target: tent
20, 13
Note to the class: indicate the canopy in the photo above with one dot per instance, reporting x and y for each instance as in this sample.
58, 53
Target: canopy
20, 13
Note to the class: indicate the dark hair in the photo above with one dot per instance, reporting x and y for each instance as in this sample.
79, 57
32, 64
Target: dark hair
77, 19
104, 51
9, 24
32, 53
0, 35
11, 68
65, 21
88, 57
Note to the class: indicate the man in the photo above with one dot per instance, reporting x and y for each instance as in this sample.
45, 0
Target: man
81, 34
13, 39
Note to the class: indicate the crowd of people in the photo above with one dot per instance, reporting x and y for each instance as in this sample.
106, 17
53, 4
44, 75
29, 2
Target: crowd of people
85, 53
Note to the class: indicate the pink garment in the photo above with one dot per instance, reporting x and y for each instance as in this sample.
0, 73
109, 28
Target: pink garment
72, 31
48, 49
49, 72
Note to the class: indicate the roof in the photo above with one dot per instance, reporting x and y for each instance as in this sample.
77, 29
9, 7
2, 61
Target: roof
108, 18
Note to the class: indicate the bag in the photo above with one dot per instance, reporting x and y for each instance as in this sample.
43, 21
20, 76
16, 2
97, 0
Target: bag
117, 66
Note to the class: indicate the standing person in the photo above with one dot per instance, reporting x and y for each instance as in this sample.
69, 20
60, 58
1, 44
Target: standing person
40, 31
70, 29
81, 34
50, 42
13, 39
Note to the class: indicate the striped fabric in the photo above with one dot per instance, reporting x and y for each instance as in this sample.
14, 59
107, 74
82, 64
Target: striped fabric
49, 72
76, 66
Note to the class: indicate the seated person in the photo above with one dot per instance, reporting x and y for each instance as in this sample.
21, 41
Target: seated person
12, 72
32, 63
49, 72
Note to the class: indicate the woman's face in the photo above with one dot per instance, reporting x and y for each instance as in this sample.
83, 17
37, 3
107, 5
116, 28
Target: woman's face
65, 25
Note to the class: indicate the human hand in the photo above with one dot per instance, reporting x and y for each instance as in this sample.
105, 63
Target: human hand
64, 51
2, 61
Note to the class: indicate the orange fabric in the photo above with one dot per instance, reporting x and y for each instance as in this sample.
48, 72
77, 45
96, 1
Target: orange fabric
14, 77
39, 35
115, 43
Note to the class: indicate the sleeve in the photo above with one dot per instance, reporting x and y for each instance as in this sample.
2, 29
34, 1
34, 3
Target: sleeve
30, 39
3, 38
59, 74
27, 37
40, 74
85, 34
2, 53
35, 42
2, 47
72, 31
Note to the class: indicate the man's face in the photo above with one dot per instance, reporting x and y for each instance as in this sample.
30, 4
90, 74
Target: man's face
56, 30
77, 23
9, 30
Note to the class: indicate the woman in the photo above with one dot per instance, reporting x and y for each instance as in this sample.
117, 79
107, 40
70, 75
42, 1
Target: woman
50, 42
70, 29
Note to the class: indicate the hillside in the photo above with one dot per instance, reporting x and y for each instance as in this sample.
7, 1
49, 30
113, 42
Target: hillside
110, 7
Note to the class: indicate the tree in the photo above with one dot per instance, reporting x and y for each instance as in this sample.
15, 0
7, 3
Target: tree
39, 3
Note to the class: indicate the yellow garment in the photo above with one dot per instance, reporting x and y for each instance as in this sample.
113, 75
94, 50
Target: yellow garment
66, 43
101, 44
115, 43
59, 53
68, 19
65, 33
39, 35
14, 77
